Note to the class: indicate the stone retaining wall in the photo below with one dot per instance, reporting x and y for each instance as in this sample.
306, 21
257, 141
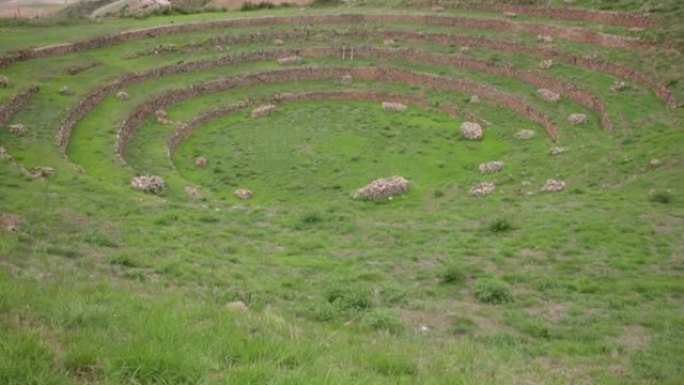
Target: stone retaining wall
602, 17
375, 96
16, 103
328, 73
568, 33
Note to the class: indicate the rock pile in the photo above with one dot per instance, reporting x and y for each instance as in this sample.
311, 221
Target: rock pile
41, 171
553, 185
347, 80
17, 128
66, 91
162, 117
148, 183
244, 193
556, 150
482, 189
577, 118
393, 107
192, 192
618, 86
4, 155
464, 50
544, 39
278, 42
474, 99
510, 14
491, 167
201, 162
548, 95
525, 134
545, 64
388, 42
122, 95
471, 131
263, 110
384, 188
4, 82
289, 60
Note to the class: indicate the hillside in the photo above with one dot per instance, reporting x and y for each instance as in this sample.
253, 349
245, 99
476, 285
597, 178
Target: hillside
384, 192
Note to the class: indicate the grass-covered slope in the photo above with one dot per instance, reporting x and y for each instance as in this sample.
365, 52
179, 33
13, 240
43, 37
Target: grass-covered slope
103, 284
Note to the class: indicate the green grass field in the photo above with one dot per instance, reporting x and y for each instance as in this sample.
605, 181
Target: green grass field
103, 284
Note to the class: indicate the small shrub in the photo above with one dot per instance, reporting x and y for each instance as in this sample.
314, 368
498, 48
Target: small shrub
350, 297
500, 225
492, 291
663, 197
462, 325
452, 272
384, 320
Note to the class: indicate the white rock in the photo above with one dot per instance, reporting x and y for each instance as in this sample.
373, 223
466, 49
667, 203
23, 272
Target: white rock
471, 130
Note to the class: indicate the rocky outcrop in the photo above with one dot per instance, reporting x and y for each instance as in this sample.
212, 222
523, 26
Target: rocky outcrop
482, 189
383, 189
394, 107
491, 167
471, 131
149, 183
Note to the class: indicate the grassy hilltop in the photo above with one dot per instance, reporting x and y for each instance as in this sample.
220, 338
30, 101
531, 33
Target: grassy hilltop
302, 284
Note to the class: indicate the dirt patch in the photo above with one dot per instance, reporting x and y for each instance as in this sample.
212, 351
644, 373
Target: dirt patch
634, 338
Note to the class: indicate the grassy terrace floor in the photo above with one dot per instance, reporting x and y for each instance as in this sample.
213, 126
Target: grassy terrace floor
102, 284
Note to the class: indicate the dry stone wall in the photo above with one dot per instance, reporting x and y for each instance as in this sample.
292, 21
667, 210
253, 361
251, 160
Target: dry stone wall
602, 17
16, 103
305, 74
558, 32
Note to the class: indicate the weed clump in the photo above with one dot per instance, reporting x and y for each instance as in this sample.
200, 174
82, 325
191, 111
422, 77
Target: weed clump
383, 320
500, 225
350, 297
663, 197
492, 291
452, 273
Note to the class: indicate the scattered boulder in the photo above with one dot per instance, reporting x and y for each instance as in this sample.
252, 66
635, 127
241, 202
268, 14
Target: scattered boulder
556, 150
149, 183
471, 130
192, 192
201, 162
548, 95
278, 42
244, 194
393, 107
553, 185
545, 64
263, 110
162, 117
464, 50
482, 189
491, 167
544, 39
618, 86
525, 134
238, 306
5, 82
382, 189
10, 222
347, 80
4, 155
66, 91
510, 14
474, 99
654, 163
17, 128
290, 60
388, 42
437, 8
41, 171
577, 118
122, 95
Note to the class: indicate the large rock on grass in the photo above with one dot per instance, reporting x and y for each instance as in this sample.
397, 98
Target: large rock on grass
149, 183
471, 130
383, 189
